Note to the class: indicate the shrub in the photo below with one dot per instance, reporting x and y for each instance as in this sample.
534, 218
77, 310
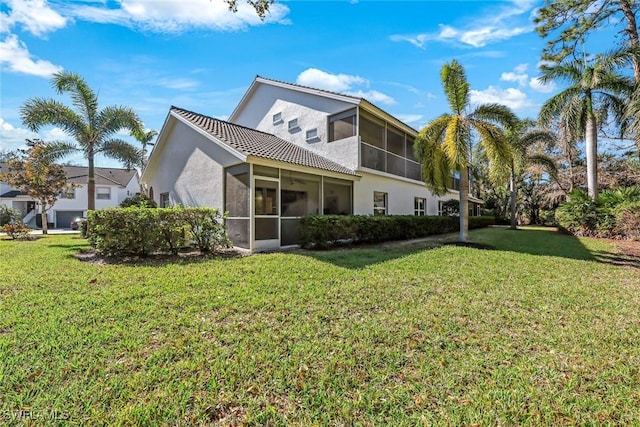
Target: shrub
207, 228
16, 230
323, 231
578, 215
143, 231
627, 217
139, 200
9, 215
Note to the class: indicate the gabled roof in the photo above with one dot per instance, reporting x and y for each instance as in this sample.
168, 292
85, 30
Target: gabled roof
251, 142
10, 194
355, 100
104, 176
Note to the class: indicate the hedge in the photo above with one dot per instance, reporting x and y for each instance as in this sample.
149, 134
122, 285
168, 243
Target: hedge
143, 230
323, 231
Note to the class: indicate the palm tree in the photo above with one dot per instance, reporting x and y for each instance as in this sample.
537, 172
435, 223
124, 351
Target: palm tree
94, 130
595, 91
524, 139
145, 139
445, 143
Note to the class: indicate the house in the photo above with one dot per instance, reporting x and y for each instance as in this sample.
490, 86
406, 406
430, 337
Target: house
288, 151
112, 187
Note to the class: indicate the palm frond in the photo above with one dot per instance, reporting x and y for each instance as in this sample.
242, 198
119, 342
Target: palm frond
557, 105
497, 149
58, 150
38, 112
455, 85
113, 119
457, 142
83, 97
496, 113
546, 162
122, 151
436, 168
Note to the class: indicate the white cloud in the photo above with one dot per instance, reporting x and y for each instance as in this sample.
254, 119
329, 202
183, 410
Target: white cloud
177, 83
12, 137
35, 16
178, 16
342, 83
511, 97
495, 26
57, 134
409, 118
15, 57
313, 77
538, 86
374, 96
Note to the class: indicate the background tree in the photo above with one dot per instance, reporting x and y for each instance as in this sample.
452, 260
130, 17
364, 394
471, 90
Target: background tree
144, 138
261, 6
527, 145
446, 143
595, 91
33, 172
569, 23
94, 130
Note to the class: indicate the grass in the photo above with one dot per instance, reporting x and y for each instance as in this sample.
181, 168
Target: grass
544, 330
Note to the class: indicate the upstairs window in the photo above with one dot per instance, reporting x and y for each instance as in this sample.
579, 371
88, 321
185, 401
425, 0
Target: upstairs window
68, 194
293, 125
277, 119
342, 125
312, 135
103, 193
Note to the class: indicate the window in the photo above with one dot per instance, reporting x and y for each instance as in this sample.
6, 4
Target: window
164, 200
342, 125
277, 119
379, 203
69, 193
371, 132
103, 193
419, 206
337, 196
312, 135
293, 124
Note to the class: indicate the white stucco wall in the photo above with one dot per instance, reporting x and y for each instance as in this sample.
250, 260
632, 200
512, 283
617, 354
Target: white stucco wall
400, 195
189, 167
310, 110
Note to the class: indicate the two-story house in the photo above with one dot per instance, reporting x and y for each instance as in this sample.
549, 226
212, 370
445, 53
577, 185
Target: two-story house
113, 185
288, 151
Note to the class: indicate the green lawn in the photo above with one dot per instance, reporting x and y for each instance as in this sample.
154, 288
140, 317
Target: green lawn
544, 330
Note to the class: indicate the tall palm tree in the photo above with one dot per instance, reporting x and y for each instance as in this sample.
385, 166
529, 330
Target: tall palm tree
526, 144
444, 145
594, 91
94, 130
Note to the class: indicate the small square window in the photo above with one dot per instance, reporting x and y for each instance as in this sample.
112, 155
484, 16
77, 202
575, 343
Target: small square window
312, 134
277, 119
293, 124
68, 194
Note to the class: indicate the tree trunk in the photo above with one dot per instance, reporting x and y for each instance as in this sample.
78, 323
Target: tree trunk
512, 190
632, 32
43, 217
464, 205
591, 140
91, 185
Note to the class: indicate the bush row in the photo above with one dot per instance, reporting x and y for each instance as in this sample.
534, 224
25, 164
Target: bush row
143, 231
614, 214
323, 231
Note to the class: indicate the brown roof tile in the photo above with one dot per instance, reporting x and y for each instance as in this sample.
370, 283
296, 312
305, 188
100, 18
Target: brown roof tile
251, 142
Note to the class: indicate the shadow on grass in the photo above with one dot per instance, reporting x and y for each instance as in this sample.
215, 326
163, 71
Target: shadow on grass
534, 241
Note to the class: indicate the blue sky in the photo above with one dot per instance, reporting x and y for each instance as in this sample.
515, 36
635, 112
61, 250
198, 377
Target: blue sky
151, 54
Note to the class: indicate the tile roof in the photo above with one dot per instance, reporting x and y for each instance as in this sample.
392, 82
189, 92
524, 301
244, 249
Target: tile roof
11, 194
251, 142
104, 176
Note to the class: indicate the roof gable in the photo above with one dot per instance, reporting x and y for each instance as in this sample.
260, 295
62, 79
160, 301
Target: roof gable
104, 176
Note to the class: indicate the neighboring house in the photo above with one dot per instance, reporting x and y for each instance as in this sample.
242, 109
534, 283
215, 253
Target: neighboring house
288, 151
112, 187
